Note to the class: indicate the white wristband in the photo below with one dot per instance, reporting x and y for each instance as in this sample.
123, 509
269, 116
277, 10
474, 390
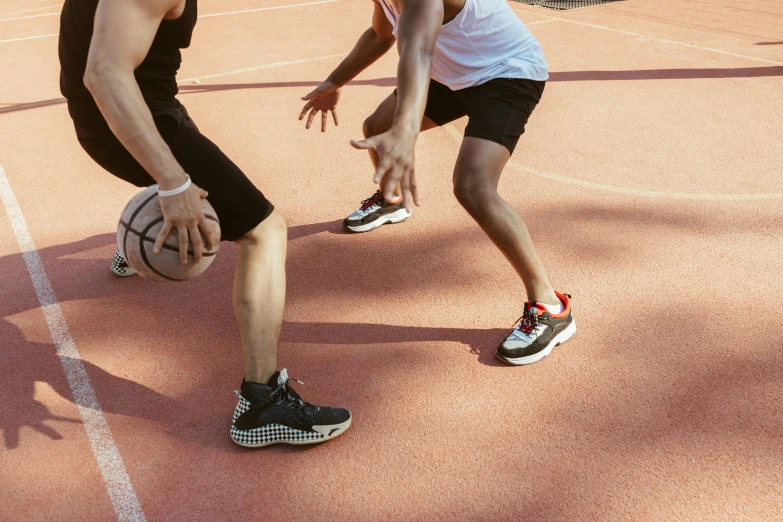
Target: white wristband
173, 192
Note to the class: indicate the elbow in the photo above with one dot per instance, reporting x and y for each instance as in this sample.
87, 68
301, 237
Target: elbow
90, 78
96, 74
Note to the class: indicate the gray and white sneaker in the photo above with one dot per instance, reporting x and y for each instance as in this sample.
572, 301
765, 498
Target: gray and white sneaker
374, 212
538, 333
120, 267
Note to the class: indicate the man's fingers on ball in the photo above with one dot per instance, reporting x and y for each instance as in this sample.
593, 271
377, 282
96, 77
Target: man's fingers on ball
198, 244
208, 232
182, 236
165, 230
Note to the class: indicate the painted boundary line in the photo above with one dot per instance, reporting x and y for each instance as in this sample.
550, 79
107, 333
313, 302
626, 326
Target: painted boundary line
652, 194
31, 10
267, 8
29, 38
260, 68
549, 17
58, 101
115, 476
209, 15
649, 38
28, 16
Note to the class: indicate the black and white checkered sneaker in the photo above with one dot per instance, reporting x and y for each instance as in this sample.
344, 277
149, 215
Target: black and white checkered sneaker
269, 415
120, 267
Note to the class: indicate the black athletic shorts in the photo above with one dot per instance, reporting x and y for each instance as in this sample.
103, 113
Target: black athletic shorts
240, 206
497, 110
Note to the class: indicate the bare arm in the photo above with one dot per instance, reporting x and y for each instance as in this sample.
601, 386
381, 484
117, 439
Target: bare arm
374, 43
122, 36
417, 31
419, 26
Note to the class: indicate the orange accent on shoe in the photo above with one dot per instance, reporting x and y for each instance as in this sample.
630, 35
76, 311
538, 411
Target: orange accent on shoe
566, 301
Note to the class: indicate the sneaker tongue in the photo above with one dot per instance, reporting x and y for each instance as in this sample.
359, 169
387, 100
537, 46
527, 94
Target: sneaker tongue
278, 378
274, 380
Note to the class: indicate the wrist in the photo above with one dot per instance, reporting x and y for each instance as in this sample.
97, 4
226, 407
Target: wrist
405, 128
335, 81
170, 183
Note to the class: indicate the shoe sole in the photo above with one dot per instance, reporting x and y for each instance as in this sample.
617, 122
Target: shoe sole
125, 273
389, 219
556, 341
329, 432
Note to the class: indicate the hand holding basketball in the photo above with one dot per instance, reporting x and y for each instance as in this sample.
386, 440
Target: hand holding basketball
156, 230
184, 213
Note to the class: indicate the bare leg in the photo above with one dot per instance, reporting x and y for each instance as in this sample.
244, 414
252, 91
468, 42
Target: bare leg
381, 121
259, 295
476, 176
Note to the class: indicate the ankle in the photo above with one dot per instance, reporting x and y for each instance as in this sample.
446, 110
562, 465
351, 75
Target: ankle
544, 296
258, 375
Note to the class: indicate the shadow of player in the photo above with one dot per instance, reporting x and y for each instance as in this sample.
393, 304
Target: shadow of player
201, 419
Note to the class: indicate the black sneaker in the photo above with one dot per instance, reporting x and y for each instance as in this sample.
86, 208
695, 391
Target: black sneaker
274, 413
538, 333
374, 212
120, 267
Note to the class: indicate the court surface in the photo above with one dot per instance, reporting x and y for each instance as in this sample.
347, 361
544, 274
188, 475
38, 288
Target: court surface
650, 176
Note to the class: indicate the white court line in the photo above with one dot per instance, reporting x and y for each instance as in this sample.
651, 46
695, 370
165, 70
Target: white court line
267, 8
711, 49
27, 17
541, 22
29, 38
202, 16
654, 194
719, 51
56, 101
260, 67
534, 13
115, 476
31, 10
640, 35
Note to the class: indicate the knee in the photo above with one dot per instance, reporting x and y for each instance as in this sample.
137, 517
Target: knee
373, 126
271, 230
367, 127
472, 194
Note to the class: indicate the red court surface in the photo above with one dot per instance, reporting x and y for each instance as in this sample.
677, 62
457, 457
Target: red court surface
650, 176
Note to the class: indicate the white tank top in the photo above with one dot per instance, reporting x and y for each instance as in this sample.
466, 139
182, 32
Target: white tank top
485, 41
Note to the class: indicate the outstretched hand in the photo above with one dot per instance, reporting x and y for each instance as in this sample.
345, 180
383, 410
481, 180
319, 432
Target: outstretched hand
396, 158
323, 99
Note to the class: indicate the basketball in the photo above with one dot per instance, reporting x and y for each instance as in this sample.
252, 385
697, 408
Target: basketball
138, 229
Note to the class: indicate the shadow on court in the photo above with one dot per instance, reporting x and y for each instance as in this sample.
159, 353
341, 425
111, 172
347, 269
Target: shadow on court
567, 76
26, 362
210, 340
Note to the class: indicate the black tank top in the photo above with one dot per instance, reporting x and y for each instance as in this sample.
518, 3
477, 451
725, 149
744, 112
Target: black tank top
156, 76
